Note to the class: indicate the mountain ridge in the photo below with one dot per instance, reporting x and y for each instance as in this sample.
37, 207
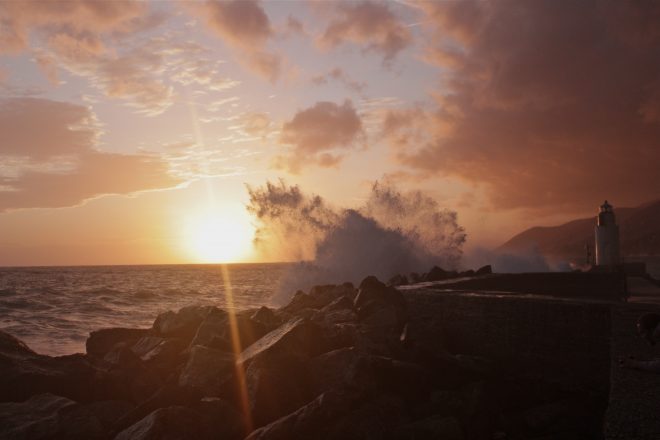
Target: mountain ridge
639, 229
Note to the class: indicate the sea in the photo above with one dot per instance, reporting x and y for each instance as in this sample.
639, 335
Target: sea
53, 309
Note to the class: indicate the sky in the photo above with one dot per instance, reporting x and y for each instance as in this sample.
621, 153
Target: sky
129, 130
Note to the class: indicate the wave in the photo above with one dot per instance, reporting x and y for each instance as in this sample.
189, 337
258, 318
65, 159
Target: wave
392, 232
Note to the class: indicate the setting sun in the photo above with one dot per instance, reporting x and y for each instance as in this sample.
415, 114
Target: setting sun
218, 237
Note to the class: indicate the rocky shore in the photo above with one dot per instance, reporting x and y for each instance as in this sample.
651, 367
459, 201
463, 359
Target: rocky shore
338, 362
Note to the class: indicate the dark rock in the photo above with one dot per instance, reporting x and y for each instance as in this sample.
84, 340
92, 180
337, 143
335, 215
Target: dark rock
168, 395
398, 280
439, 274
172, 423
310, 420
371, 282
207, 370
319, 297
467, 273
221, 418
299, 338
337, 312
339, 369
445, 428
108, 412
485, 270
374, 419
379, 307
102, 341
266, 316
276, 384
24, 373
182, 324
155, 350
216, 331
46, 416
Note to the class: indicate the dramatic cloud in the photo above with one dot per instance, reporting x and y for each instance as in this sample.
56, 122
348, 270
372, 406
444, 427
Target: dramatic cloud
82, 19
549, 104
245, 27
47, 158
315, 134
337, 74
369, 24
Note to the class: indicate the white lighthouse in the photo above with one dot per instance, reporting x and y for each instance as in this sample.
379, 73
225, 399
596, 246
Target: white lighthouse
607, 237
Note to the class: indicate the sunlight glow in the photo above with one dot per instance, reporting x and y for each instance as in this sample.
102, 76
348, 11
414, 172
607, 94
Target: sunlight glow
217, 236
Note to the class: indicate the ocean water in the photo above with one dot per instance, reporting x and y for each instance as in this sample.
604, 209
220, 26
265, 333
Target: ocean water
53, 309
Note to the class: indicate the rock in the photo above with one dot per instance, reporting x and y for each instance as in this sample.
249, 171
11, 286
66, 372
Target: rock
168, 395
172, 423
102, 341
108, 412
155, 350
398, 280
221, 418
440, 427
438, 274
24, 373
298, 337
207, 370
467, 273
319, 297
484, 270
310, 420
337, 312
379, 307
276, 384
182, 324
266, 316
215, 331
374, 419
339, 369
47, 416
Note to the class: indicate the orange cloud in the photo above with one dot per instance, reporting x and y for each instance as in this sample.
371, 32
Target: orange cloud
369, 24
547, 107
317, 134
73, 17
246, 28
49, 159
338, 74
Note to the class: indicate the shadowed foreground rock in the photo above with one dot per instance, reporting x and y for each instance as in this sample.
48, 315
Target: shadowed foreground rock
335, 363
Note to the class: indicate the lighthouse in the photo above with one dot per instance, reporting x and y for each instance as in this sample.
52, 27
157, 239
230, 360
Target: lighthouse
607, 237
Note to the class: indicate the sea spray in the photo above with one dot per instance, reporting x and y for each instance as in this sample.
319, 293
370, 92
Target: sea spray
391, 233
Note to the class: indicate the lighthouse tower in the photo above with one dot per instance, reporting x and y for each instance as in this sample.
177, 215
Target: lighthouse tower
607, 237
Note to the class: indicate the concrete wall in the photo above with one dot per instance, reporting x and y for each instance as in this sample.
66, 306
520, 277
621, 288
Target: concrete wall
562, 342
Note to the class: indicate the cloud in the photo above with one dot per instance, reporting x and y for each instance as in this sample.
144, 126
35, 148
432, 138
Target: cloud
47, 158
245, 27
338, 74
546, 106
369, 24
317, 134
84, 18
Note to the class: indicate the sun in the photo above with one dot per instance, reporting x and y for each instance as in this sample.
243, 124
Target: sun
214, 236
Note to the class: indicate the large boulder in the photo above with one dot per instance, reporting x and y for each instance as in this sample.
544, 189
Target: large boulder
24, 373
440, 427
154, 350
102, 341
484, 270
267, 317
216, 331
439, 274
380, 307
47, 416
276, 384
207, 370
318, 297
298, 338
182, 324
172, 423
310, 420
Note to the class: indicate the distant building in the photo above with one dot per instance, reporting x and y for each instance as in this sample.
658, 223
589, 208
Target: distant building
607, 237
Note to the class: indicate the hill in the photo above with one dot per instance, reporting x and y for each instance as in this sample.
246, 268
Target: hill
639, 230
